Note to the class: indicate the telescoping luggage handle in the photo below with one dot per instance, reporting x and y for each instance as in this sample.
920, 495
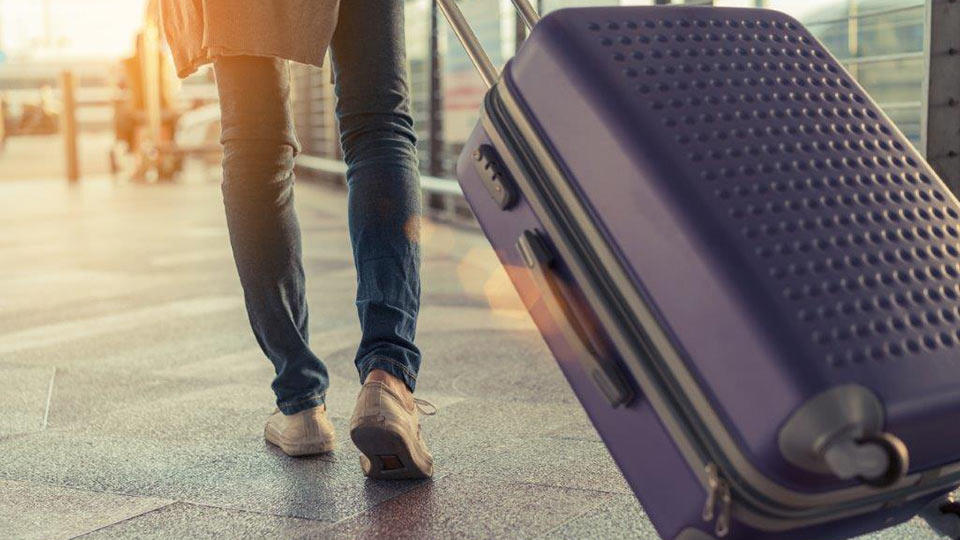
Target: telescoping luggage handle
469, 39
601, 368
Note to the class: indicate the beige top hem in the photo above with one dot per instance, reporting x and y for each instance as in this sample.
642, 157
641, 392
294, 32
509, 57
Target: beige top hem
198, 31
209, 54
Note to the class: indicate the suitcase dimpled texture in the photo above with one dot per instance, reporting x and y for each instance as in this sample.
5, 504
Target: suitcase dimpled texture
748, 275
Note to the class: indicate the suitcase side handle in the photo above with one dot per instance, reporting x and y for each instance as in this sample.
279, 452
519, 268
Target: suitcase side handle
469, 39
603, 370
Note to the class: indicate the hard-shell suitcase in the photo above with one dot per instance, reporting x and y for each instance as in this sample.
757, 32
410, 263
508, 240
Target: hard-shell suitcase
747, 274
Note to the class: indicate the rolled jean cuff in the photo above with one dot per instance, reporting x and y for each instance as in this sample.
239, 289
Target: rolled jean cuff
391, 366
294, 406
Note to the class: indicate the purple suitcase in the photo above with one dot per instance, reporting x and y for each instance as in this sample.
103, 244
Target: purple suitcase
747, 274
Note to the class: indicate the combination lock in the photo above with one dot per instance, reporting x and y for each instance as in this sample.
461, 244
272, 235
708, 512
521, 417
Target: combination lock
495, 176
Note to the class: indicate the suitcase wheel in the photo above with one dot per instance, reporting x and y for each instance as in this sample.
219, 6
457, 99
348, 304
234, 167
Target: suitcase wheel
943, 516
840, 432
897, 455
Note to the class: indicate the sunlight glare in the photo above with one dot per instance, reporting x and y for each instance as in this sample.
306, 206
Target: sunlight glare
91, 28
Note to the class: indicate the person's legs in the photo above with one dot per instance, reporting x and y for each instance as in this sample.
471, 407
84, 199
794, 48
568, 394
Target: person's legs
259, 146
379, 146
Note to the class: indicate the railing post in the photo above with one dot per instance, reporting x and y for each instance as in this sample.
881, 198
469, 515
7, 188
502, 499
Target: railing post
435, 99
940, 120
519, 32
68, 125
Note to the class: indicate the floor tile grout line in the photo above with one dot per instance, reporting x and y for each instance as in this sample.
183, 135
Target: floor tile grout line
46, 408
241, 510
450, 474
571, 488
432, 480
551, 533
124, 520
168, 501
7, 478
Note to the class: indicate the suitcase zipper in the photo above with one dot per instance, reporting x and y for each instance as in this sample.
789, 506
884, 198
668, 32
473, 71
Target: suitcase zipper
719, 503
724, 491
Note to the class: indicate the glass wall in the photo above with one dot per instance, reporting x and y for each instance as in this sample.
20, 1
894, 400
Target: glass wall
880, 42
494, 22
418, 29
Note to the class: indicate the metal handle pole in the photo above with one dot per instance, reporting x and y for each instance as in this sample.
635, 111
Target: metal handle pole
469, 40
527, 12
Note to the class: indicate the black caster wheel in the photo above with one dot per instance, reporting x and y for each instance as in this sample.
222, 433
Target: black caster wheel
943, 516
952, 509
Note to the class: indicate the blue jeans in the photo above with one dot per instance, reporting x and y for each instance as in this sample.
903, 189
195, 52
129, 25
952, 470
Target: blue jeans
384, 205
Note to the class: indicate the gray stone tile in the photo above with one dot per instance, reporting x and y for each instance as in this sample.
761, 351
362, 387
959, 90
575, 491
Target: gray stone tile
160, 399
214, 416
245, 473
62, 287
469, 507
578, 429
84, 397
554, 462
41, 511
618, 517
144, 320
623, 517
222, 397
154, 344
247, 364
483, 364
260, 478
99, 463
182, 520
507, 365
23, 401
474, 431
915, 529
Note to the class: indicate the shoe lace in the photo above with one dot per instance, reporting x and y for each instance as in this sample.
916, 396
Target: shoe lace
425, 407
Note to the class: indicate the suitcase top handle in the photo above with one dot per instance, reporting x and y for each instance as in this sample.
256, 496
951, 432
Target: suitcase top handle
469, 39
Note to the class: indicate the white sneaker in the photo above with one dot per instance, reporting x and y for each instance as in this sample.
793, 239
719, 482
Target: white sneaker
301, 434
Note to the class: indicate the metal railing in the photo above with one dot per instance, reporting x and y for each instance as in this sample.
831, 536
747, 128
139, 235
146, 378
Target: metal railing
882, 58
866, 15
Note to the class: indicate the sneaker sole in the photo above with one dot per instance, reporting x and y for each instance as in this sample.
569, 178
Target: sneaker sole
389, 455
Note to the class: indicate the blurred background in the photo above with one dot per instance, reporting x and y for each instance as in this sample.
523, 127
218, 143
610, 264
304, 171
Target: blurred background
132, 392
95, 72
81, 69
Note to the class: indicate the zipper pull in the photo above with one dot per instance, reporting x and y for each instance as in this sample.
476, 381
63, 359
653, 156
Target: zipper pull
713, 487
719, 503
722, 527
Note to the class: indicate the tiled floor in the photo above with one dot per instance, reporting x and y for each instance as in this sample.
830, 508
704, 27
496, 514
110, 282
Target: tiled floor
133, 395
